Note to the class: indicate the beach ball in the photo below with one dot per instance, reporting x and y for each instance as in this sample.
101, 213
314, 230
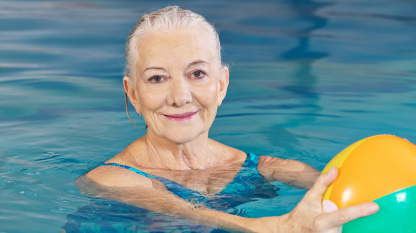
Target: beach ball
380, 169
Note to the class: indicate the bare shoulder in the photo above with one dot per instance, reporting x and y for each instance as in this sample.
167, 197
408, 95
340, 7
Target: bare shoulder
113, 176
227, 151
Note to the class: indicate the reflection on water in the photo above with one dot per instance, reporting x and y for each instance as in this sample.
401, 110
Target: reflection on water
303, 81
307, 79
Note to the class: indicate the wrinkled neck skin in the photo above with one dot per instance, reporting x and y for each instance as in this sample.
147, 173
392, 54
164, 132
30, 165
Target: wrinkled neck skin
165, 154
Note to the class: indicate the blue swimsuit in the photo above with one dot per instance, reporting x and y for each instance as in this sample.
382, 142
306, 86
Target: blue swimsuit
248, 185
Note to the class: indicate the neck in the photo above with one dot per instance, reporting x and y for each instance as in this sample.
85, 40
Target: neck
165, 154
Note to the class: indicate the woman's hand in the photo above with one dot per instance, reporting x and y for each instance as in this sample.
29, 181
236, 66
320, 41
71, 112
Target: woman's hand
308, 216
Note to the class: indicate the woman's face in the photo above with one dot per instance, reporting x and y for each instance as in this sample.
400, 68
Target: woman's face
179, 83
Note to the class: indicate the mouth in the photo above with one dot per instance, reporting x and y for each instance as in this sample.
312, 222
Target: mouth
181, 117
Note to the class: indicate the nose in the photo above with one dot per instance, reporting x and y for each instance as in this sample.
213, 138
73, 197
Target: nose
180, 92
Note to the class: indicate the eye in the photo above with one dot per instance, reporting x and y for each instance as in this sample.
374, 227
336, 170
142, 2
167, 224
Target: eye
198, 74
156, 79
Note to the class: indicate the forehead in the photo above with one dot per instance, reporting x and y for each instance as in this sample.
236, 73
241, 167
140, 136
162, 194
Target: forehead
176, 46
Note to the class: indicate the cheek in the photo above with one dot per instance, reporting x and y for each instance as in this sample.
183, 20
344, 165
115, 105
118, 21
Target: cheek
208, 96
150, 100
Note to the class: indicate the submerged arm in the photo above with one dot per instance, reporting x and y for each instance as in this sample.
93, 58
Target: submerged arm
291, 172
128, 187
133, 189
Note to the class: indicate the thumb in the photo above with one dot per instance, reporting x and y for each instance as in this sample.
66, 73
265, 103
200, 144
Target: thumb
322, 183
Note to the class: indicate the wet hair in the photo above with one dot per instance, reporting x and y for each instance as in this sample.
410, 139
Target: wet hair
168, 18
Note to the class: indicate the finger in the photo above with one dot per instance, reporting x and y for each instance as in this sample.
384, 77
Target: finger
322, 183
342, 216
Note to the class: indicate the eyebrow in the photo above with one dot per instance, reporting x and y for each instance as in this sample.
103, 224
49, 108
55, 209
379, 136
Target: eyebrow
197, 62
153, 68
189, 65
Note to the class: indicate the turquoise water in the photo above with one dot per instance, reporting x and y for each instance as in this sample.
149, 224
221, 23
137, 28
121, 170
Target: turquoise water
307, 79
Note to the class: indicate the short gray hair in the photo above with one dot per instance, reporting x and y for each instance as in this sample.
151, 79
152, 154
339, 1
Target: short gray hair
170, 17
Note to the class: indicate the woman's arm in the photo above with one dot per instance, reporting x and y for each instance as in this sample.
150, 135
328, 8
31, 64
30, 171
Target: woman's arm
291, 172
130, 188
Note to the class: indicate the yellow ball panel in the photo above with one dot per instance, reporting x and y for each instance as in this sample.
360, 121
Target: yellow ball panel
373, 168
338, 160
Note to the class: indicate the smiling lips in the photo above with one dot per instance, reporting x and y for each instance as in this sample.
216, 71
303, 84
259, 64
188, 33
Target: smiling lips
181, 117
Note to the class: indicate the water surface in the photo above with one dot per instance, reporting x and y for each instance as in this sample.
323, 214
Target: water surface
307, 79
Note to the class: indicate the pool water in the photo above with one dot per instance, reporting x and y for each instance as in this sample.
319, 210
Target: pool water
307, 79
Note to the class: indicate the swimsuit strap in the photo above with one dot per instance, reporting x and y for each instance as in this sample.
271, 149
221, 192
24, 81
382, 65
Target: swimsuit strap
182, 191
252, 160
131, 169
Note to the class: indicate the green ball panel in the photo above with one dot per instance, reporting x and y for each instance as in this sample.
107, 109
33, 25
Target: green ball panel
397, 214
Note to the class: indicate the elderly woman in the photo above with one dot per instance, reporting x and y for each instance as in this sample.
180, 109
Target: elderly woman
175, 79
